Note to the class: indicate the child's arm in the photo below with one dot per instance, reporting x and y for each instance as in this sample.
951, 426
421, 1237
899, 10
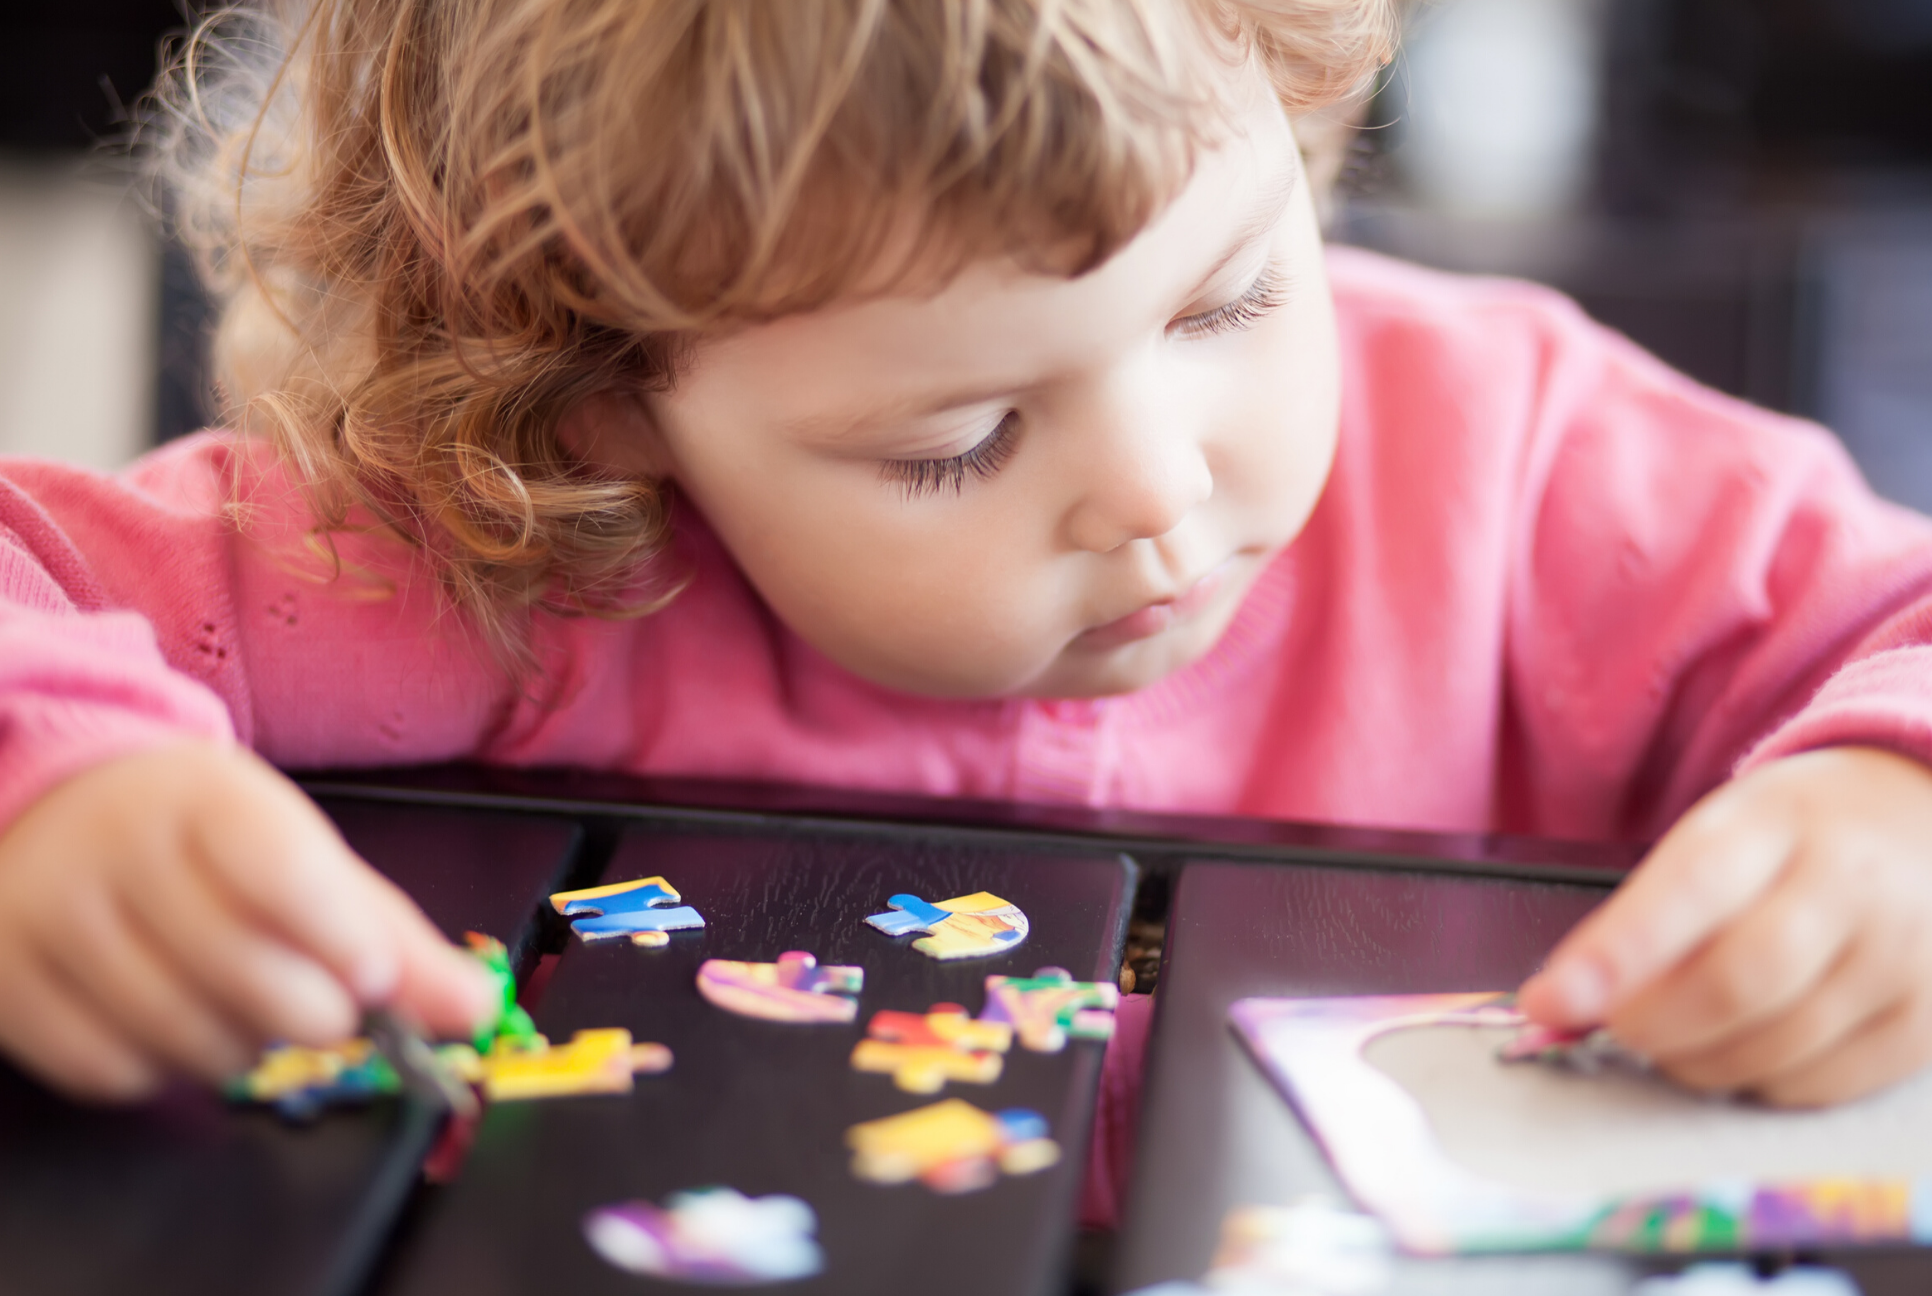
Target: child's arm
168, 902
1718, 637
173, 911
1777, 941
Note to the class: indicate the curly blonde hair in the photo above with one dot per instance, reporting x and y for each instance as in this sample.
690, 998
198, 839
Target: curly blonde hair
435, 226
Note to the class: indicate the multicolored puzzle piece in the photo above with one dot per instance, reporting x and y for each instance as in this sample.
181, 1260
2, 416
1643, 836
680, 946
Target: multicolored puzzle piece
968, 926
636, 909
1050, 1006
299, 1083
509, 1059
922, 1051
593, 1062
951, 1146
710, 1235
794, 989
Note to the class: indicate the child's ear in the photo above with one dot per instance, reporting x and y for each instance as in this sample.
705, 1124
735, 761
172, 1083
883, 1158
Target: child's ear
614, 431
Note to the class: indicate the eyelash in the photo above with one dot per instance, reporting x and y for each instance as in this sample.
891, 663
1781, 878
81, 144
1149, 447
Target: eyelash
921, 477
1268, 293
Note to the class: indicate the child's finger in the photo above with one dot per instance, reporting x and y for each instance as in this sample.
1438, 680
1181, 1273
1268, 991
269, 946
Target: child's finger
441, 988
138, 994
1749, 973
1887, 1048
261, 984
1707, 870
275, 855
1864, 982
51, 1032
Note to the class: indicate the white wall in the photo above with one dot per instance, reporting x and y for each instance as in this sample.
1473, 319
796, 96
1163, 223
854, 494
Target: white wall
78, 311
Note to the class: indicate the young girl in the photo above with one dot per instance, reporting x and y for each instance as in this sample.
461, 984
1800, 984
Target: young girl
946, 396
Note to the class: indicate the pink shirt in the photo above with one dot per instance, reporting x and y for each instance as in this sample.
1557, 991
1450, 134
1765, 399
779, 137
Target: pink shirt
1552, 587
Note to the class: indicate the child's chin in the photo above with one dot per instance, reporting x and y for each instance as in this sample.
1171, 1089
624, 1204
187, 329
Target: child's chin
1129, 668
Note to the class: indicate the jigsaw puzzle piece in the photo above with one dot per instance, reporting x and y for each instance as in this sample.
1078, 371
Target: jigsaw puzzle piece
908, 914
969, 926
509, 1020
299, 1083
951, 1146
593, 1062
1049, 1007
715, 1236
922, 1051
794, 989
636, 909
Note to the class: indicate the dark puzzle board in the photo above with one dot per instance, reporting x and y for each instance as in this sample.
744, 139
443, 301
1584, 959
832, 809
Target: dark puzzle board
1215, 1134
763, 1106
186, 1195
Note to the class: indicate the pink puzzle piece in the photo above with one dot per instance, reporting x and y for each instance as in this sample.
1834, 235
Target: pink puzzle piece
794, 989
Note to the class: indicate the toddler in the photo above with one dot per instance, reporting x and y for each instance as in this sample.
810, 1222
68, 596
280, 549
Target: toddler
937, 396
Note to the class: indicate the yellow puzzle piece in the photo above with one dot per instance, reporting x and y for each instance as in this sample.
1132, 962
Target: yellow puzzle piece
593, 1062
951, 1146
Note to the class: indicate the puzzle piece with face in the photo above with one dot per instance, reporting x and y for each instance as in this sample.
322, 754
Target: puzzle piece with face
794, 989
1048, 1007
922, 1051
635, 909
968, 926
951, 1146
593, 1062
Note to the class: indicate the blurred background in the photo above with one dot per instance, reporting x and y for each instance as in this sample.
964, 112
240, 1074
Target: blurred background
1743, 186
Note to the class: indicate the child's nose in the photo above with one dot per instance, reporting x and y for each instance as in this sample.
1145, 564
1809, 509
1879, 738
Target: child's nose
1145, 472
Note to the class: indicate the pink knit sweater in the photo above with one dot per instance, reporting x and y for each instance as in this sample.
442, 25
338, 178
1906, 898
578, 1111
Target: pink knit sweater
1552, 587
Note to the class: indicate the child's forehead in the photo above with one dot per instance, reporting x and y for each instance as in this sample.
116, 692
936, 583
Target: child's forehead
964, 326
1244, 170
848, 238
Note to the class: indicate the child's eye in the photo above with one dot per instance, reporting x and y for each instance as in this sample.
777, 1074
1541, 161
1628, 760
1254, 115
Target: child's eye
1268, 292
930, 476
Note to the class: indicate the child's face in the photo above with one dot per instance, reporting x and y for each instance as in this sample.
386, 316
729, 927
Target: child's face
1025, 484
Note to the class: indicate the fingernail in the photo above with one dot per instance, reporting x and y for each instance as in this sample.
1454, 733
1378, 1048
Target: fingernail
375, 979
1581, 988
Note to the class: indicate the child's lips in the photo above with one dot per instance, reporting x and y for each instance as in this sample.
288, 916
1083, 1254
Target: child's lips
1155, 618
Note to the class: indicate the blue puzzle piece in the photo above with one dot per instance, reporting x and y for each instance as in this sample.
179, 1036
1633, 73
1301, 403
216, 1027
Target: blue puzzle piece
633, 909
911, 914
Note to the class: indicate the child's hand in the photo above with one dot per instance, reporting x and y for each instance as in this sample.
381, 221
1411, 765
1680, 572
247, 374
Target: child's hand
1777, 942
174, 911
